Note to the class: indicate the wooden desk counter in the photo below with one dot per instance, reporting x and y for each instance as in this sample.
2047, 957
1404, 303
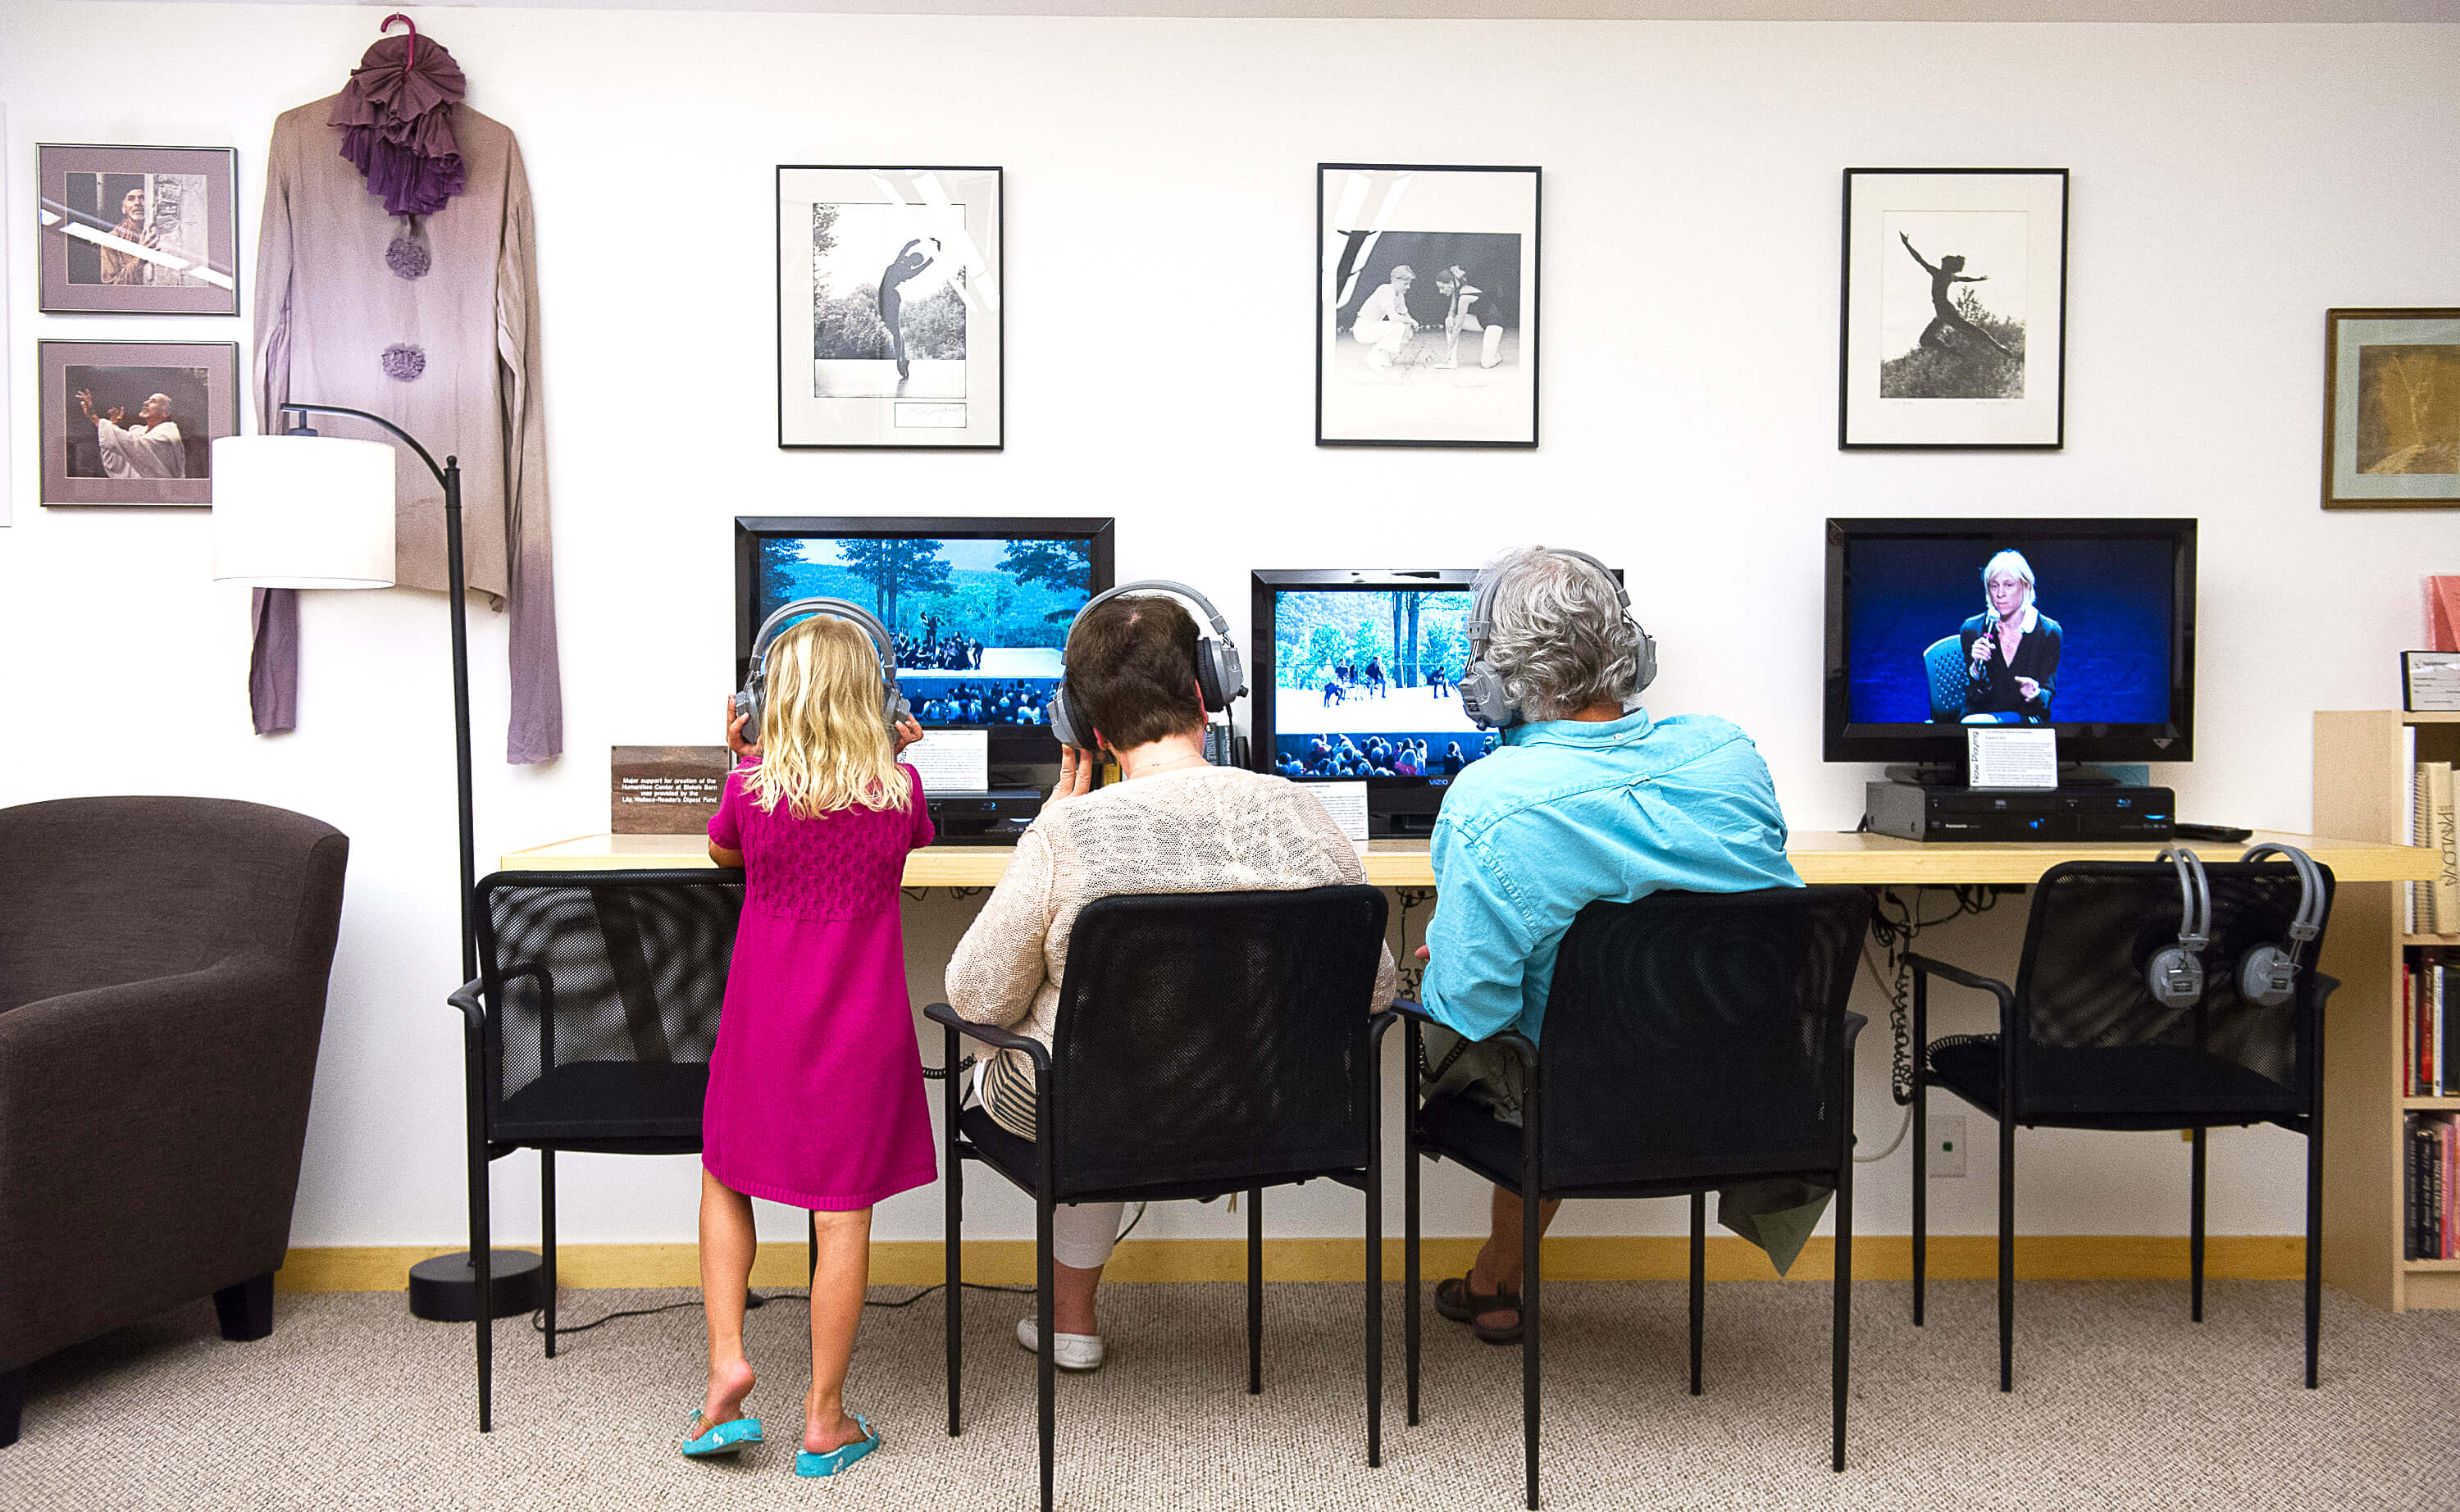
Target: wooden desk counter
1820, 856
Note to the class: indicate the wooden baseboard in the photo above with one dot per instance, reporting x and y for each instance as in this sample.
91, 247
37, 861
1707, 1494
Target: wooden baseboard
1010, 1262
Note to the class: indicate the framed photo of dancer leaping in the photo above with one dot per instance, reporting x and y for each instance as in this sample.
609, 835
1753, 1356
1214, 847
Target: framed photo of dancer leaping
1953, 331
889, 331
1426, 305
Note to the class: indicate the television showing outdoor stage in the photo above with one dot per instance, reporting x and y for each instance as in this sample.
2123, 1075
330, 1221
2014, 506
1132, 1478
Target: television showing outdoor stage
980, 623
1367, 684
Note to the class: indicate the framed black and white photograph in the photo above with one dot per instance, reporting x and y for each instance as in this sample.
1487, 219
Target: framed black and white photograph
1425, 306
129, 422
2392, 409
137, 231
889, 330
1954, 325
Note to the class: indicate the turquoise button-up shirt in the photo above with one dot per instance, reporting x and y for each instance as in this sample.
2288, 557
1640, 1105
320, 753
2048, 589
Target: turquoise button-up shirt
1567, 813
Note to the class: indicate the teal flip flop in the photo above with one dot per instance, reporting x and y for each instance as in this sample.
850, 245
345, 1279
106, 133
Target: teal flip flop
725, 1439
808, 1464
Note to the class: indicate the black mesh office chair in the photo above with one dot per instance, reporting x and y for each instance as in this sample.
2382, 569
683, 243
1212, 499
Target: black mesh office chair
1206, 1043
1692, 1041
590, 1029
2082, 1044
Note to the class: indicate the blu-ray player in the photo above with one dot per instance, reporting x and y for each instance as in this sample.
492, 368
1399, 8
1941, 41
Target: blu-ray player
1915, 812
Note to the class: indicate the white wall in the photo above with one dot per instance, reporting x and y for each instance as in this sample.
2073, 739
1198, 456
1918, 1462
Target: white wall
2230, 183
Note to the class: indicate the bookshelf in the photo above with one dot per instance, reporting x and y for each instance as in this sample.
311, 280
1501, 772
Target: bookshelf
2363, 760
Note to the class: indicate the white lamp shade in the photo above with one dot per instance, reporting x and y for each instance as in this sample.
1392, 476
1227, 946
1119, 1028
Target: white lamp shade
303, 512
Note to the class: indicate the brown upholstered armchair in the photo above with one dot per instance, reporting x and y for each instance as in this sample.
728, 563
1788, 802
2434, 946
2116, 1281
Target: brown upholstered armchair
162, 973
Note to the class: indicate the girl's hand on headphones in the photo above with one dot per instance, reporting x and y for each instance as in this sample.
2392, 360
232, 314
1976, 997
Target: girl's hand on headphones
908, 732
1075, 774
745, 749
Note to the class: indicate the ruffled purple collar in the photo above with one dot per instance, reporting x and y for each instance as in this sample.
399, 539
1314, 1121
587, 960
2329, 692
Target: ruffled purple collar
398, 124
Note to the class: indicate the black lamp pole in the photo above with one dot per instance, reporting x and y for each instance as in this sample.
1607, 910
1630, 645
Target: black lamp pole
455, 1287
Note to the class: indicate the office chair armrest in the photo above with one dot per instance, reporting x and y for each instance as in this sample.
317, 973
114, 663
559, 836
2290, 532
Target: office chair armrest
466, 998
1411, 1008
1511, 1040
1962, 978
997, 1038
2324, 988
1855, 1024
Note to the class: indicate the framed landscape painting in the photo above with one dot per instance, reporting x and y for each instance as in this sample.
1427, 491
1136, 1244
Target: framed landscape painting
1953, 331
889, 330
2392, 409
137, 231
1425, 306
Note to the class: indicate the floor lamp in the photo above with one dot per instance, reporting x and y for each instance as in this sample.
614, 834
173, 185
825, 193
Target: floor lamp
298, 510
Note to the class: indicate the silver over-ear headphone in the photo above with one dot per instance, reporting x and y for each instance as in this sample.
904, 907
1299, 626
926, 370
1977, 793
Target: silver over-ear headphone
2176, 973
755, 685
2267, 974
1482, 693
1219, 675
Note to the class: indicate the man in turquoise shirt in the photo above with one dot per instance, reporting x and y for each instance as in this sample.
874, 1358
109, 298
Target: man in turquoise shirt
1588, 800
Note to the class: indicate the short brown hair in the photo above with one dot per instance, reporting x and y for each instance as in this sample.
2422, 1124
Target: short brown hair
1131, 669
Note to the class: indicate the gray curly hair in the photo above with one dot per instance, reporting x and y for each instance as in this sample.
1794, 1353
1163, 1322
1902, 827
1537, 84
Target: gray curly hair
1559, 635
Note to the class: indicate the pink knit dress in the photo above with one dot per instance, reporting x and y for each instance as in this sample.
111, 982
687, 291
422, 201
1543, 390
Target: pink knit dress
815, 1085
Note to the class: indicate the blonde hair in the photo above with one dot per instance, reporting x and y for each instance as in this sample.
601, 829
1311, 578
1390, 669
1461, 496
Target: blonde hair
822, 743
2013, 563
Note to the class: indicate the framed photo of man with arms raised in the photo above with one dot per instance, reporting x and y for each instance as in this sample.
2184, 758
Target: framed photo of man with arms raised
889, 330
1427, 308
134, 422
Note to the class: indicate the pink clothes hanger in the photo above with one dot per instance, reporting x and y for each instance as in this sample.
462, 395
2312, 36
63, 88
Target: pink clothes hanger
409, 58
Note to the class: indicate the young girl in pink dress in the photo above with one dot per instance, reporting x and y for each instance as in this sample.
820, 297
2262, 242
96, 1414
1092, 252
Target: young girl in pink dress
815, 1084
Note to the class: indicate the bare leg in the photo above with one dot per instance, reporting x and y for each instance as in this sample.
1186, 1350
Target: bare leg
1072, 1298
727, 1244
838, 1286
1498, 1263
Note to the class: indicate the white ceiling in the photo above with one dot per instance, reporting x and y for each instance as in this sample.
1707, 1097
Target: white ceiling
2151, 10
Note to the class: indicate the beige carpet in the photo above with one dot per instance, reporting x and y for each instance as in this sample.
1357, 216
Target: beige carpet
2120, 1403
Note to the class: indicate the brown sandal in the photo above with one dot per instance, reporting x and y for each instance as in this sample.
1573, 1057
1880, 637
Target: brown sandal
1454, 1300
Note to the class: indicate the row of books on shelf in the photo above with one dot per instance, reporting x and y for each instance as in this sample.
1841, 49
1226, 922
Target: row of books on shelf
2433, 1187
2434, 823
2430, 995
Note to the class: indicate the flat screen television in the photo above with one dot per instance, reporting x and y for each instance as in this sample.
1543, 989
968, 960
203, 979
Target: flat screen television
1356, 674
2107, 658
980, 608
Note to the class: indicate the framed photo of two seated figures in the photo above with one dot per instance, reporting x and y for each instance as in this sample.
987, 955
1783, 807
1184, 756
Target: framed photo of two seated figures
889, 330
1954, 326
1426, 310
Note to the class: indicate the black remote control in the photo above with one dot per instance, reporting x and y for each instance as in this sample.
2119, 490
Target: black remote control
2229, 834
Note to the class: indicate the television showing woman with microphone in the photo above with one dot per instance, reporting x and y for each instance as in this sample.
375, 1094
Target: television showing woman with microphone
2011, 648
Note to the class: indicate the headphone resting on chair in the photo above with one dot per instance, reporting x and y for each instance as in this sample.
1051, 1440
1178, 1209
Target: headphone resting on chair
1219, 676
2176, 973
755, 684
1483, 695
2267, 974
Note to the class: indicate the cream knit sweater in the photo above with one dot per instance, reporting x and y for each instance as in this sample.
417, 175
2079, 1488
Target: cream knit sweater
1207, 829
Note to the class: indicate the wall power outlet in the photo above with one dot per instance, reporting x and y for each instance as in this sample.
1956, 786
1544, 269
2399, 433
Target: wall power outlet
1946, 1145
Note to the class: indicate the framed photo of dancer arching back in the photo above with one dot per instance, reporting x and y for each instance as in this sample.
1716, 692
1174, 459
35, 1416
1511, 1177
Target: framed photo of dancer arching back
1953, 331
889, 330
1425, 306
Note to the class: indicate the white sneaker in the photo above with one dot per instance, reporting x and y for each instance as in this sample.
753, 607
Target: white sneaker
1070, 1352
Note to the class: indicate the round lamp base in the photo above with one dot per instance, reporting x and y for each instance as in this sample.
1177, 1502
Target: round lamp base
445, 1290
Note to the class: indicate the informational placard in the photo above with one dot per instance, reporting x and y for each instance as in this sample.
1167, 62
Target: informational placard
2429, 681
2003, 758
1346, 802
952, 761
666, 790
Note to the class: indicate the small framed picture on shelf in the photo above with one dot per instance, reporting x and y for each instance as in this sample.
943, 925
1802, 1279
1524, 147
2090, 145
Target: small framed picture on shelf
128, 422
889, 330
137, 231
1954, 327
2429, 682
2392, 409
1427, 313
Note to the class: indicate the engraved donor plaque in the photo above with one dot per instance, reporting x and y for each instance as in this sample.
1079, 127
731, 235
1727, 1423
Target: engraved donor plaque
667, 790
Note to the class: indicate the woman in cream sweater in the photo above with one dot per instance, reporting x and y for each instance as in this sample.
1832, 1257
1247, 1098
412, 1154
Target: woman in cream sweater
1174, 824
